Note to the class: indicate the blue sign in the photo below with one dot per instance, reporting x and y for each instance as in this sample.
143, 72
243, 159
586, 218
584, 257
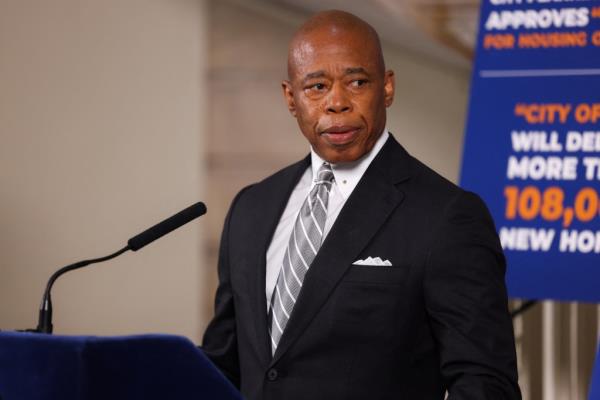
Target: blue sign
532, 145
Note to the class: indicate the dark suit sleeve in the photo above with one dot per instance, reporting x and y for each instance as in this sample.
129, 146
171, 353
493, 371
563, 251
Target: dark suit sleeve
220, 339
466, 300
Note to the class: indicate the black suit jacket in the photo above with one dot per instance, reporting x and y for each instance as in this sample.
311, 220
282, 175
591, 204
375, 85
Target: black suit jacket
437, 320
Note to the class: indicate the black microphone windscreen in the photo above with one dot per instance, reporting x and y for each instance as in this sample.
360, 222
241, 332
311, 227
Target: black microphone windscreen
166, 226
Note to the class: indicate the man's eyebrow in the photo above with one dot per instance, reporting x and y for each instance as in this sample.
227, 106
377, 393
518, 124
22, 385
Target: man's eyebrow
321, 73
313, 75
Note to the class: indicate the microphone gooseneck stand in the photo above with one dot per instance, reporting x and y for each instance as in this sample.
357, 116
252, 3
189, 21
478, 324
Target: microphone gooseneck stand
135, 243
45, 316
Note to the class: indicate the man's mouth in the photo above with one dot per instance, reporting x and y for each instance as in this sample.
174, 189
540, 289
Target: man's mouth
340, 134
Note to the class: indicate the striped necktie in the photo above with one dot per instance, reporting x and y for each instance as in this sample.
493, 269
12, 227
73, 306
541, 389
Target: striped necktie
303, 246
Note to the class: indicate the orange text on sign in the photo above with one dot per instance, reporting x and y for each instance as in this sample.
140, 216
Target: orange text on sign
543, 113
530, 202
587, 113
499, 41
552, 40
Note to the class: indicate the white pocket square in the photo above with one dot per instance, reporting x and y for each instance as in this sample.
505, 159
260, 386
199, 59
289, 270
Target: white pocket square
375, 261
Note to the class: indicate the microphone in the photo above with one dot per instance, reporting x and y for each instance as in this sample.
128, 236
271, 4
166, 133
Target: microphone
168, 225
135, 243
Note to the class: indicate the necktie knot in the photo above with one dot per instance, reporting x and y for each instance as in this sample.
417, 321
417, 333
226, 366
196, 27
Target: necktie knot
324, 175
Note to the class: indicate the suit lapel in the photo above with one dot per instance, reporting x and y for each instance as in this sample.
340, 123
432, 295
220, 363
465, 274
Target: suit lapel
369, 206
271, 206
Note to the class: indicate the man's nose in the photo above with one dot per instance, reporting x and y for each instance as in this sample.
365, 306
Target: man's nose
338, 100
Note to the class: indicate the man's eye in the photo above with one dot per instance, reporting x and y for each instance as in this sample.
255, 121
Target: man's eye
359, 82
317, 86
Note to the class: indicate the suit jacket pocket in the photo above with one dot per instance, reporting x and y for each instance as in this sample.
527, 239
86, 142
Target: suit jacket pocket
367, 300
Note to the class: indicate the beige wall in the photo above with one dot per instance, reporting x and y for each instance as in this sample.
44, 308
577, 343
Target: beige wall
101, 110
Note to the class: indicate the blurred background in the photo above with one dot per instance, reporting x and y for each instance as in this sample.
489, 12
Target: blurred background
115, 114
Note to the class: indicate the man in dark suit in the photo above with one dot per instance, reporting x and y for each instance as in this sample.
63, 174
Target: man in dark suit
358, 272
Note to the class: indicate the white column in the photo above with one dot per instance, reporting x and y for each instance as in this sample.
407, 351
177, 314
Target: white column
549, 354
573, 351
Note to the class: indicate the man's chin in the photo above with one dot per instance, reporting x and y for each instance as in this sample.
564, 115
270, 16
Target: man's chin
340, 155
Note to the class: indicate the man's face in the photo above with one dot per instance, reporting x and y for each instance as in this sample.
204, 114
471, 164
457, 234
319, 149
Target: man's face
338, 93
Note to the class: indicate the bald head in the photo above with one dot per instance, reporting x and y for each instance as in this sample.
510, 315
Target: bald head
333, 27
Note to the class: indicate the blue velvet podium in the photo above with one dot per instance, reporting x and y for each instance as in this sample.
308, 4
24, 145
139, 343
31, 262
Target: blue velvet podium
148, 367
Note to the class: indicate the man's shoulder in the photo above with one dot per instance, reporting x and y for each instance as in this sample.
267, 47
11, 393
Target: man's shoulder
430, 181
421, 178
436, 194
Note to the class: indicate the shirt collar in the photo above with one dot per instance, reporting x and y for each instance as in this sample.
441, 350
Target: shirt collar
347, 175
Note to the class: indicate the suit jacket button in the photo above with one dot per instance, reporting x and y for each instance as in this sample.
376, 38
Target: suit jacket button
272, 374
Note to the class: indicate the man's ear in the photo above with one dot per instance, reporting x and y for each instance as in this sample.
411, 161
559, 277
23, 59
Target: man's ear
389, 87
288, 93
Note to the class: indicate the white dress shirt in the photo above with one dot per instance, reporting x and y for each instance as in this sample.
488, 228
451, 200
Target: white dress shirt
346, 177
